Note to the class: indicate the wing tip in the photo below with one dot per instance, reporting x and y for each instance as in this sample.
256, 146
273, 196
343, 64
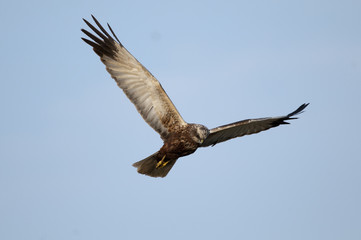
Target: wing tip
101, 41
299, 110
291, 115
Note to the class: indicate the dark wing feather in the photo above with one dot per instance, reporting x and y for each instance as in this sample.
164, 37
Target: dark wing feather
140, 86
247, 127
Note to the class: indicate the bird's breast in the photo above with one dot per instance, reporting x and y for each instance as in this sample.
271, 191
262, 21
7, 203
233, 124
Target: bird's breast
179, 145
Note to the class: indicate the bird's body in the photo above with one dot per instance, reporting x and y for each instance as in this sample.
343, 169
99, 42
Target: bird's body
184, 142
146, 93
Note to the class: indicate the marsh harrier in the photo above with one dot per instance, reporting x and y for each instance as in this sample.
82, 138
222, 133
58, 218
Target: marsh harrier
146, 93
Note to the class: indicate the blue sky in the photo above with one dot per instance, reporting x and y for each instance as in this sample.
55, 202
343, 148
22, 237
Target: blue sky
68, 135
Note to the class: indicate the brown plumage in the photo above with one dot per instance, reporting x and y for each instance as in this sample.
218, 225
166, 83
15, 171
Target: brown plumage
156, 108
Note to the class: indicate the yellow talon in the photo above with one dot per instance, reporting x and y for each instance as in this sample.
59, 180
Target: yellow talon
161, 163
164, 164
158, 164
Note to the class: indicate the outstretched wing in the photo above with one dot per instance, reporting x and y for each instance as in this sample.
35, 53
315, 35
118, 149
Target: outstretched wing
140, 86
247, 127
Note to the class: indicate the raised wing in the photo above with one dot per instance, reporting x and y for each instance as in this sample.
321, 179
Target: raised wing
140, 86
247, 127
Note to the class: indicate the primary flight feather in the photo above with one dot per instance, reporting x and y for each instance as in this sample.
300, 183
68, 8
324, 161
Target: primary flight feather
152, 102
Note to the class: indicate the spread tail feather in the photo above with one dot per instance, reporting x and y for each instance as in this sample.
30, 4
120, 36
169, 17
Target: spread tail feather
148, 166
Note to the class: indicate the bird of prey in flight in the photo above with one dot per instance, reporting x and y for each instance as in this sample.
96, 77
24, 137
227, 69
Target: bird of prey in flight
152, 102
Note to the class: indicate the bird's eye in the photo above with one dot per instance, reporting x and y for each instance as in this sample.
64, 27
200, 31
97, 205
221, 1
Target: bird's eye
199, 135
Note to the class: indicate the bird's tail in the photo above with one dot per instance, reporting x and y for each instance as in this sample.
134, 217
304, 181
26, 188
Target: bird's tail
154, 166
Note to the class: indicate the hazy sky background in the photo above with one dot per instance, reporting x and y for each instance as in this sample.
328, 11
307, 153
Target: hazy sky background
68, 134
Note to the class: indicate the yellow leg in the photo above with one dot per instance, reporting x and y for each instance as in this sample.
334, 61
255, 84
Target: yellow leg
161, 164
164, 164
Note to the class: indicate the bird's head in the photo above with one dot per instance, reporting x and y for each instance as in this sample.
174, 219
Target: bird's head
199, 133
